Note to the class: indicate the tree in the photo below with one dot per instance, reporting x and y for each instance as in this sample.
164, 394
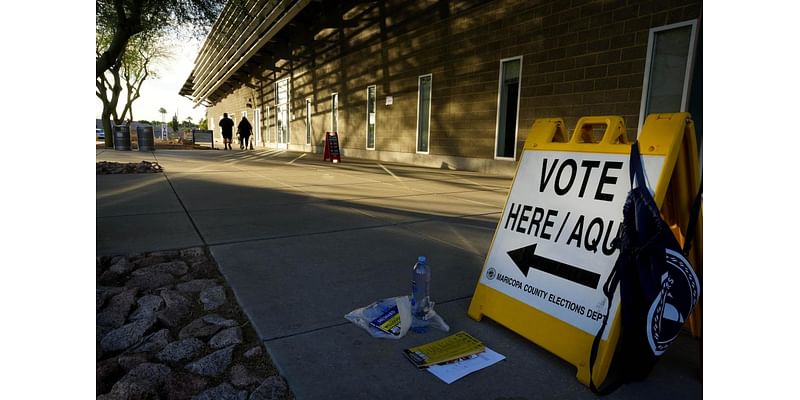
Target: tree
136, 68
203, 124
133, 69
174, 124
124, 19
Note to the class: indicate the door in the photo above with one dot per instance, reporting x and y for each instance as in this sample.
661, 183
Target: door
508, 108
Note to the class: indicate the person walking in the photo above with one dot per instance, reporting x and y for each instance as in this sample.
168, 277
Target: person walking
244, 129
226, 124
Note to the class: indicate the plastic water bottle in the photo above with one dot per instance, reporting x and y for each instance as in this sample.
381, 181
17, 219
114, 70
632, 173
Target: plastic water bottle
421, 288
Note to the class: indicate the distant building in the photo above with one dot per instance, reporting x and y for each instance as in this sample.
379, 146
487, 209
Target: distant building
453, 83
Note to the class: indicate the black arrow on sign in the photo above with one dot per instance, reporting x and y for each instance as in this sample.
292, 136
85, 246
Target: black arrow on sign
525, 259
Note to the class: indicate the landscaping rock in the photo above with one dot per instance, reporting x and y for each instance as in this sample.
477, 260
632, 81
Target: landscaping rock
126, 335
176, 289
174, 298
203, 269
108, 278
198, 328
196, 285
149, 260
173, 267
217, 319
222, 392
178, 308
130, 361
214, 364
242, 377
151, 281
148, 305
122, 266
254, 352
212, 298
116, 312
155, 342
109, 167
272, 388
226, 337
107, 371
103, 293
181, 350
183, 385
192, 252
173, 316
142, 382
169, 254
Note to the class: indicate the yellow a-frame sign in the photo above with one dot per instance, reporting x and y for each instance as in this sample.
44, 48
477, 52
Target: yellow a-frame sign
552, 252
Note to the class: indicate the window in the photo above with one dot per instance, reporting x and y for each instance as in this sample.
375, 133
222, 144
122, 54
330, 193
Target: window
508, 108
371, 117
282, 113
335, 112
424, 113
668, 77
257, 137
308, 121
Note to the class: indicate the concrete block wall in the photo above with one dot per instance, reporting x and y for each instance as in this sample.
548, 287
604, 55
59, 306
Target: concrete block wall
579, 58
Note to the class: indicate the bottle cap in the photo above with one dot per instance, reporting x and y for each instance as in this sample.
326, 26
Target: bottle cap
421, 259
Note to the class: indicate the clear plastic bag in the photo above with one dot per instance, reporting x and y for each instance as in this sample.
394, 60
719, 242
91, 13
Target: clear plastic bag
391, 318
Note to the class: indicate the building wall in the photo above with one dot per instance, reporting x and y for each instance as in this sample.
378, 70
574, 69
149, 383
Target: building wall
579, 58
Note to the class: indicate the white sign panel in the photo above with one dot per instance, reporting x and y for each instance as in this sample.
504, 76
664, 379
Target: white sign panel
553, 246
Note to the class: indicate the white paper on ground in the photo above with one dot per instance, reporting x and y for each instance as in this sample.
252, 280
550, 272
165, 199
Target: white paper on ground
461, 368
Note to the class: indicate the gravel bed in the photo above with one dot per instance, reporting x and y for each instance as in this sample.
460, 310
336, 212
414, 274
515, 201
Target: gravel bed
108, 167
169, 327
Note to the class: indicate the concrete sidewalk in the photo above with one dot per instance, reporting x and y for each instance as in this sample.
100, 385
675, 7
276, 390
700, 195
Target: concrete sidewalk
303, 242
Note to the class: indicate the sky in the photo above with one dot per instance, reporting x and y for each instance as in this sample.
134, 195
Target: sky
163, 91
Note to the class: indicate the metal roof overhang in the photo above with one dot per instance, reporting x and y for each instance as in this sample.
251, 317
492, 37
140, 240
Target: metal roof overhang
242, 29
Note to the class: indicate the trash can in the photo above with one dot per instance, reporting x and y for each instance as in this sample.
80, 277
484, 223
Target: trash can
147, 141
122, 137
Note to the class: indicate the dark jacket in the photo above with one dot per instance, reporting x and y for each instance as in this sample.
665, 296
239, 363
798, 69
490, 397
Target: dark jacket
227, 127
244, 128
